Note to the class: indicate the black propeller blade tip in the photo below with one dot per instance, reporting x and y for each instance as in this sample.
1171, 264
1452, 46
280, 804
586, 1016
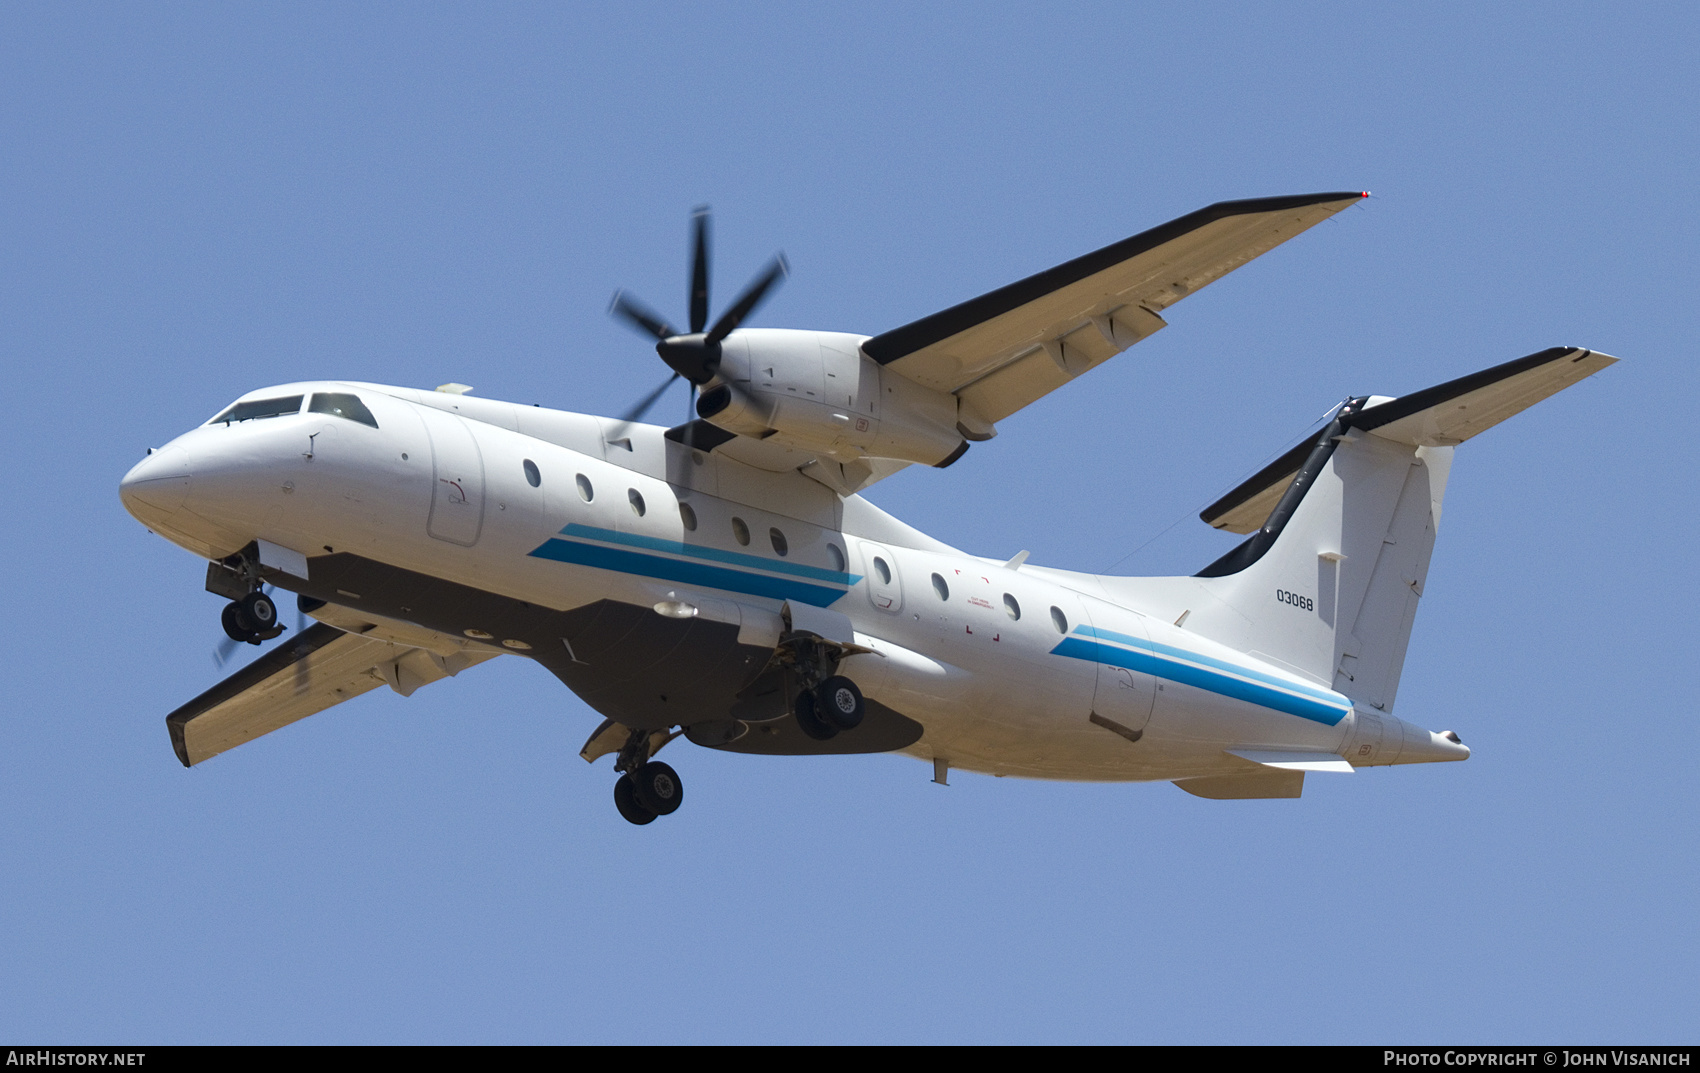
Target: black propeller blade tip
639, 315
699, 268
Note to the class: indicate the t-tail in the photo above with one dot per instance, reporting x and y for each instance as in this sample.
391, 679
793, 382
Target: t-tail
1341, 528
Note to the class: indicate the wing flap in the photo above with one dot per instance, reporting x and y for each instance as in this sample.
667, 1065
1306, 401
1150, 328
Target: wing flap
321, 667
1080, 313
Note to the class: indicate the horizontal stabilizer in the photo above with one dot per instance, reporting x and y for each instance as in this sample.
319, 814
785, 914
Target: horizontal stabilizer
1291, 761
1440, 416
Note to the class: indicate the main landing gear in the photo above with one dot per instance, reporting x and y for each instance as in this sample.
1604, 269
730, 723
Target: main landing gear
654, 791
833, 705
826, 703
646, 788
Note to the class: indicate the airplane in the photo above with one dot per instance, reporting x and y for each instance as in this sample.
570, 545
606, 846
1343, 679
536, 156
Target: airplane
725, 580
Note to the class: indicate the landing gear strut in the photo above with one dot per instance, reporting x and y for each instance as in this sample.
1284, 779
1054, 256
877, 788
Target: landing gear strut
646, 788
251, 616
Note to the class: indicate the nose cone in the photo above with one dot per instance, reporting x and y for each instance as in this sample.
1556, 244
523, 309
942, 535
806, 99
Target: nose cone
157, 485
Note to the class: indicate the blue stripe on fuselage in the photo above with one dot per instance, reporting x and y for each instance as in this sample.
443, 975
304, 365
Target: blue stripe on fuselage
698, 551
638, 556
1314, 692
1205, 672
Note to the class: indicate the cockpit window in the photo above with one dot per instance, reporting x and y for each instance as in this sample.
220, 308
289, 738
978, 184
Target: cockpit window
257, 408
342, 405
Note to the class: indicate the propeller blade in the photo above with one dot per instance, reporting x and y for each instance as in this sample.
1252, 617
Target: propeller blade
636, 412
223, 650
303, 675
636, 313
699, 269
777, 269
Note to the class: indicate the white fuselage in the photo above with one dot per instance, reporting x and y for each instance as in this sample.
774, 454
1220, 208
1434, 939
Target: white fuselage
1005, 667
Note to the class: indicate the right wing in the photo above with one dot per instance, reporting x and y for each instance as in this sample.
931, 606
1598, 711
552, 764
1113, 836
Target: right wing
1009, 347
777, 458
320, 667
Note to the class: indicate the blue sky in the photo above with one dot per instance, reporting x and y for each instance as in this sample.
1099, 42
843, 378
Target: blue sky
200, 200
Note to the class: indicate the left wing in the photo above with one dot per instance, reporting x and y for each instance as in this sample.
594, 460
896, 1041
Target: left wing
321, 667
1003, 350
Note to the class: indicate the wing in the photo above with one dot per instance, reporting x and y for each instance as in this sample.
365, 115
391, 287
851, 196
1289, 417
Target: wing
320, 667
1003, 350
1444, 415
778, 458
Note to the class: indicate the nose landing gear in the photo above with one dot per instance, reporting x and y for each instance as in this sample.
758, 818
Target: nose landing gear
251, 619
251, 616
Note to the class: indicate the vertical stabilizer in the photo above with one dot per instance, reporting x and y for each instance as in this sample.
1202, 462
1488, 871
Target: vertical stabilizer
1335, 590
1328, 585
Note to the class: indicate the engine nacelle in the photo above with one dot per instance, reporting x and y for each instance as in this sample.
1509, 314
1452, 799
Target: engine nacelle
816, 391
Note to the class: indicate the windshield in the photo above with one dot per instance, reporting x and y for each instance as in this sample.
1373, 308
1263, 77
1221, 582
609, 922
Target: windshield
256, 408
342, 405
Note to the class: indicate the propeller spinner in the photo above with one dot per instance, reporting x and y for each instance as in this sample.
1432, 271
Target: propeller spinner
694, 355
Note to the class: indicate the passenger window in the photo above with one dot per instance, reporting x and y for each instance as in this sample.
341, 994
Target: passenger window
635, 498
1011, 607
1059, 620
585, 491
740, 531
837, 553
780, 547
342, 405
688, 516
883, 570
940, 587
257, 408
532, 476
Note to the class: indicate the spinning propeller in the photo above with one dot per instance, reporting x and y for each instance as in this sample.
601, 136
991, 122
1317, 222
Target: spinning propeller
694, 355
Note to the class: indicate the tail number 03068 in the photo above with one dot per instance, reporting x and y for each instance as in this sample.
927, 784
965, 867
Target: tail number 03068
1303, 603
